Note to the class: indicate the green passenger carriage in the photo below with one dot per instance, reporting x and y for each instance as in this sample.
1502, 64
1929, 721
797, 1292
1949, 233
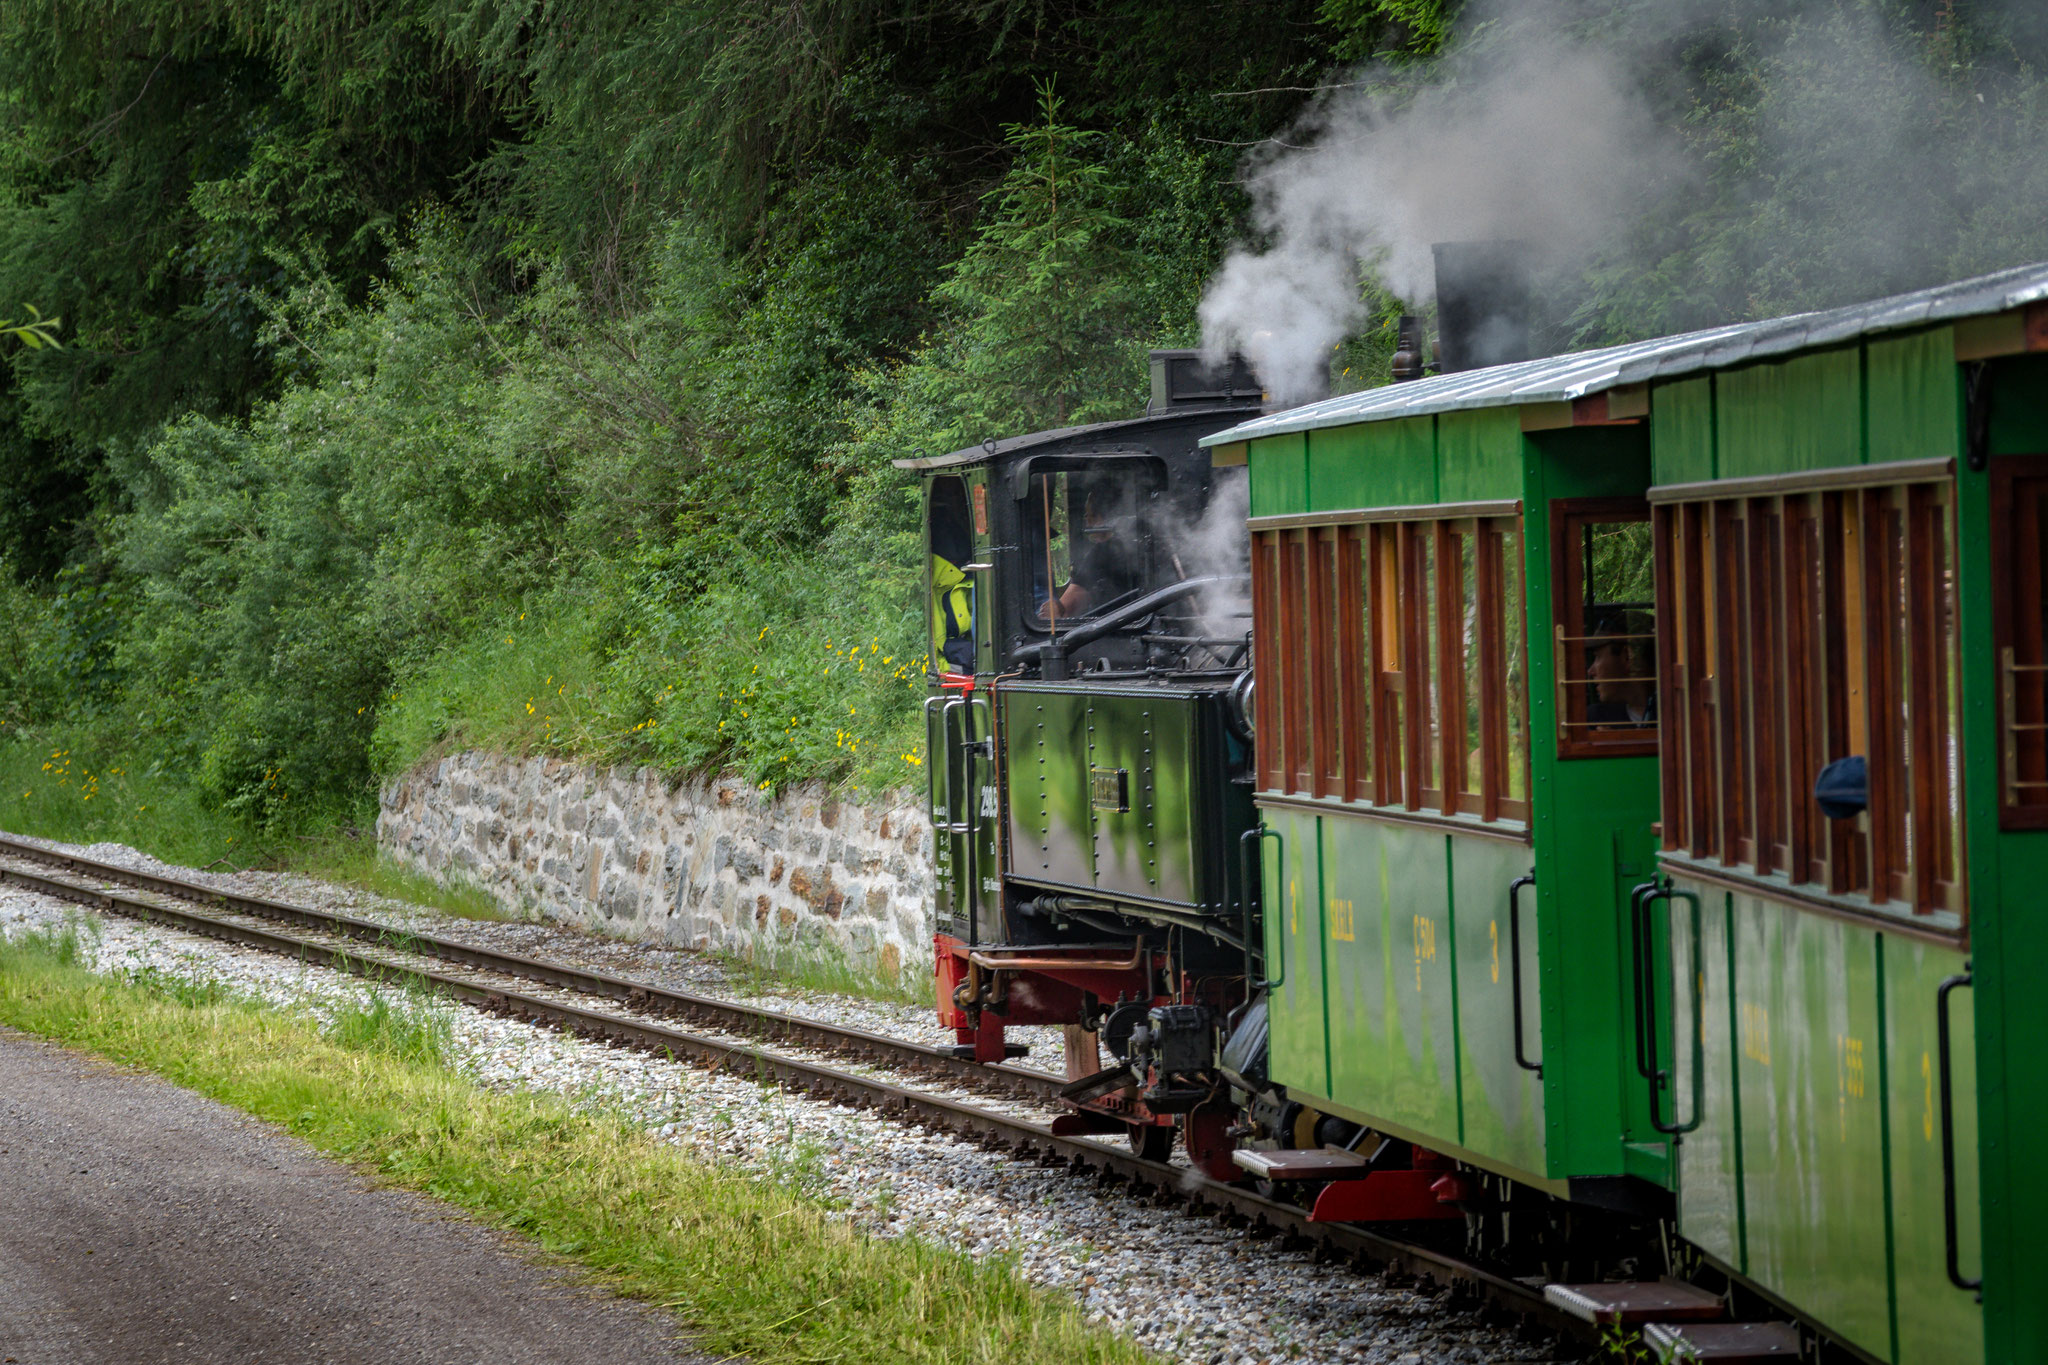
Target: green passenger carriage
1806, 1021
1648, 770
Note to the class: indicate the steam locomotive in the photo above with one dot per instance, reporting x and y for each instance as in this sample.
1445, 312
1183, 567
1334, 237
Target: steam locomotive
1582, 808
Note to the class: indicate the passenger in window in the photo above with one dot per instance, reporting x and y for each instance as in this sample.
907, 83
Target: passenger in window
1624, 686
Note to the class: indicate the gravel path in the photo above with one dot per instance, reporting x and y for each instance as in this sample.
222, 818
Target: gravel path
1187, 1288
145, 1223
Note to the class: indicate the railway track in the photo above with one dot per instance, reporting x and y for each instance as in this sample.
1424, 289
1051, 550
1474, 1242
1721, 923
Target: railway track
467, 976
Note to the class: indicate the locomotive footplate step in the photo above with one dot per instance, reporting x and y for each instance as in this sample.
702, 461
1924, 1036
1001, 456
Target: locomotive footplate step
1301, 1163
1632, 1303
1726, 1343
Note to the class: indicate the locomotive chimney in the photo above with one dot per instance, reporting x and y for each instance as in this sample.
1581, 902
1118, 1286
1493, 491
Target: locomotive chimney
1485, 304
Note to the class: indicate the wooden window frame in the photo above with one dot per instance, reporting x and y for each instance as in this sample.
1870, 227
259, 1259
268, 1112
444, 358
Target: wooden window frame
1266, 650
1796, 626
1352, 674
1575, 738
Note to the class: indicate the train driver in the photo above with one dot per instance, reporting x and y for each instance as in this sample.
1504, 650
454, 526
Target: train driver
1103, 564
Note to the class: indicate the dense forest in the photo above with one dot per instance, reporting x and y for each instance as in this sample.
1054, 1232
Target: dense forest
449, 372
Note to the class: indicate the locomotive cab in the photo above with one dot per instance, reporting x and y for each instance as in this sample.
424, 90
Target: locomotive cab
1090, 626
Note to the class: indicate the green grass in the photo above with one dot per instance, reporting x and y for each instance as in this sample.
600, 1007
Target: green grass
774, 969
59, 786
353, 858
750, 1265
63, 785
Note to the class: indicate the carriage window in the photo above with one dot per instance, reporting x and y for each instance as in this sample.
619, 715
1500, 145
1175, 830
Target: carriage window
1605, 628
1800, 629
2020, 491
1391, 664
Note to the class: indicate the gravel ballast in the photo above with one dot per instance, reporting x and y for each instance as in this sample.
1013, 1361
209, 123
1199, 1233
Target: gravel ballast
1185, 1287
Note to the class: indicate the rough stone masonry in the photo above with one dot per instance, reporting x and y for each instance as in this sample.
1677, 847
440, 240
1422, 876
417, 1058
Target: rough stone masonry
705, 863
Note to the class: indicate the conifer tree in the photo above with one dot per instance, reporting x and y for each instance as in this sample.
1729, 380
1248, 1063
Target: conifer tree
1050, 289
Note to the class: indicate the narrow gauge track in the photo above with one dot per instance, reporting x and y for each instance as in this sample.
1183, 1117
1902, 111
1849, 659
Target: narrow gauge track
1236, 1205
725, 1015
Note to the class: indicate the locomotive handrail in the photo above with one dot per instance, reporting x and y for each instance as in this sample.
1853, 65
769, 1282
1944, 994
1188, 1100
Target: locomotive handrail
1643, 942
1952, 1242
970, 750
942, 772
1515, 964
953, 825
1252, 981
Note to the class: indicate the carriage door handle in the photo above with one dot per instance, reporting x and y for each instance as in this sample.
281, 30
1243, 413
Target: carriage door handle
1257, 836
1515, 965
1644, 942
1953, 1246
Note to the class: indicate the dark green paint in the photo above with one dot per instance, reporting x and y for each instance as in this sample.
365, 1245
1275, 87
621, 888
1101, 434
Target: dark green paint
1682, 430
2006, 872
1914, 387
1383, 464
1591, 819
1279, 474
1169, 744
1479, 455
1804, 413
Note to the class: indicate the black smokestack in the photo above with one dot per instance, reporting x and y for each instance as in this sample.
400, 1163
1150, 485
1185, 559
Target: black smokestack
1485, 305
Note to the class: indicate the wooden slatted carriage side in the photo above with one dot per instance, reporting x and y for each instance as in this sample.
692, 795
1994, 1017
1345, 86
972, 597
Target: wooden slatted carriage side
1842, 1024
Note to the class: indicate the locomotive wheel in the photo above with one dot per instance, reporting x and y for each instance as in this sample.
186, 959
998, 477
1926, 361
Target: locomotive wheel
1152, 1141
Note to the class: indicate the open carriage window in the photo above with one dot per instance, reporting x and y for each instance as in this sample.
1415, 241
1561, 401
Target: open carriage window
2020, 493
951, 604
1606, 627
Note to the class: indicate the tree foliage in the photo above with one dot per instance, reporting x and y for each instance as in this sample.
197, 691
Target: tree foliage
523, 372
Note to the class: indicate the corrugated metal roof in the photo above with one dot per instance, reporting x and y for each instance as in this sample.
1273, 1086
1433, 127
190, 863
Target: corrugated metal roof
1577, 374
1134, 429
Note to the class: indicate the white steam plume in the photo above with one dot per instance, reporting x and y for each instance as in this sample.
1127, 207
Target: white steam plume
1545, 144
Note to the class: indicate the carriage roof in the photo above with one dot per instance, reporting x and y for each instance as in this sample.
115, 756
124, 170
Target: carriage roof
1582, 374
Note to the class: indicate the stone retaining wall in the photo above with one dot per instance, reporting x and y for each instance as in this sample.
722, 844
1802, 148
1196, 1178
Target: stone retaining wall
709, 863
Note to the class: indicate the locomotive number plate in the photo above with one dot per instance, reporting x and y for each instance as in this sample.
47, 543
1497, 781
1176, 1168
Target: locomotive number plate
1112, 788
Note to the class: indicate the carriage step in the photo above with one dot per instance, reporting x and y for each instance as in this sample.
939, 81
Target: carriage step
1632, 1303
1303, 1163
1724, 1343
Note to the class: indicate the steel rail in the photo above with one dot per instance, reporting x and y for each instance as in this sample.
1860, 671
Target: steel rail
744, 1020
1024, 1137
